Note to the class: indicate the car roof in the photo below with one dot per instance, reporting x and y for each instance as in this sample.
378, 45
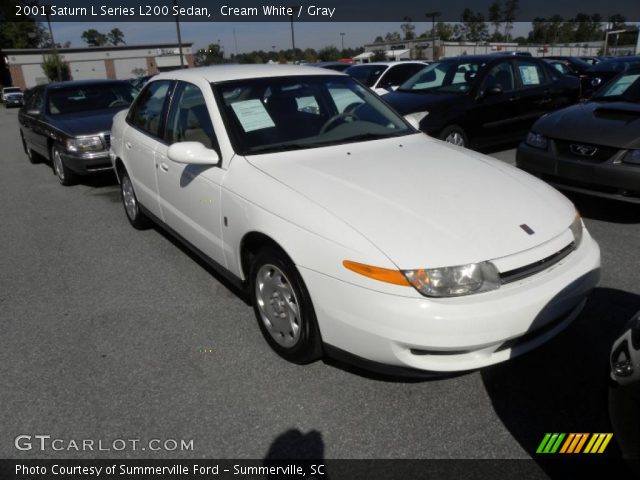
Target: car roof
80, 83
391, 63
223, 73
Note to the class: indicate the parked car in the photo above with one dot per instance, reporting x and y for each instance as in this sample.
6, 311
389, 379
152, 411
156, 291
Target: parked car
15, 93
522, 53
599, 74
591, 60
69, 123
591, 147
353, 234
481, 100
561, 67
624, 392
12, 96
140, 82
337, 66
384, 77
576, 65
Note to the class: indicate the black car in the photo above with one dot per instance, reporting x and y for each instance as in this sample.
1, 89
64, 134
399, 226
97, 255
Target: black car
591, 147
576, 65
600, 73
69, 123
482, 100
624, 391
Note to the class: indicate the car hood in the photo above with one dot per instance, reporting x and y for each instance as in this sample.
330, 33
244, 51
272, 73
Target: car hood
422, 202
614, 124
84, 123
407, 102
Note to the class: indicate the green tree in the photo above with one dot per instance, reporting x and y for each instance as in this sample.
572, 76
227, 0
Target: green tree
509, 16
210, 56
116, 37
328, 54
50, 67
408, 29
94, 38
378, 56
392, 37
495, 18
473, 28
378, 39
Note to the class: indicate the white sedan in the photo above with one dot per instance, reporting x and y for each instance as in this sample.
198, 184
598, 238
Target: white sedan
355, 235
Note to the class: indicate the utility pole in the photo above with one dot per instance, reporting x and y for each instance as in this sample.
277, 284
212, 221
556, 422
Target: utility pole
293, 42
342, 38
433, 16
175, 4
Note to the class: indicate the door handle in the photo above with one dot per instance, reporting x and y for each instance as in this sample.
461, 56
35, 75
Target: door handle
164, 167
514, 98
128, 145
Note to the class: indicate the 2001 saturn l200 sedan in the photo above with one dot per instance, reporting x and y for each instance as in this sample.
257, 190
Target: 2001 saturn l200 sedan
355, 235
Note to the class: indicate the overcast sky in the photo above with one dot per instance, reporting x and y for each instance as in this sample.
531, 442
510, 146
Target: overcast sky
249, 36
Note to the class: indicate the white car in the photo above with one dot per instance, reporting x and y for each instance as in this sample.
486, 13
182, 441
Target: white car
385, 77
354, 234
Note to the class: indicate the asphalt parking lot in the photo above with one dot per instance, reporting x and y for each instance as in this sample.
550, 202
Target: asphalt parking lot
109, 332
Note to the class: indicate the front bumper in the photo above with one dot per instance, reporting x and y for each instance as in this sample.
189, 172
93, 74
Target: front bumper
12, 102
610, 179
454, 334
87, 163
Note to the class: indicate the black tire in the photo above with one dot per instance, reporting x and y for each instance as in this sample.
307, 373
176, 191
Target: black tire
65, 176
303, 346
455, 135
31, 155
136, 217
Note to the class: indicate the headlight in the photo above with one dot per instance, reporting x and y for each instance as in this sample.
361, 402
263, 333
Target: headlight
537, 140
415, 118
84, 144
576, 229
596, 81
632, 156
454, 281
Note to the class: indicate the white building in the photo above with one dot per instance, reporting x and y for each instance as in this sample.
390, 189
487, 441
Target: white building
113, 62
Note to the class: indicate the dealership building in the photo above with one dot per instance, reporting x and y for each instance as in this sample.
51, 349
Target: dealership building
86, 63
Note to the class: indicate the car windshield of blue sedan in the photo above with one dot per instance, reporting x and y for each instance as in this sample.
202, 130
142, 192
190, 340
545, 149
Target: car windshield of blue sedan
625, 88
89, 97
366, 74
296, 112
449, 76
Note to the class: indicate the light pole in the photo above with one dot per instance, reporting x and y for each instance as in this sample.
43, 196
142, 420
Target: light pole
54, 48
293, 42
342, 34
433, 16
175, 5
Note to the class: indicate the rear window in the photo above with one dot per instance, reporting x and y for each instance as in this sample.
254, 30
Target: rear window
84, 98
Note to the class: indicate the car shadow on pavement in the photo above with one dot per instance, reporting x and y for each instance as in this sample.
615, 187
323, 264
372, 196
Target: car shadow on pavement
604, 209
562, 386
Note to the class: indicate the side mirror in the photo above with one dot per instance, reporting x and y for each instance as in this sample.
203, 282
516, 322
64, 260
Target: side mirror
497, 90
192, 153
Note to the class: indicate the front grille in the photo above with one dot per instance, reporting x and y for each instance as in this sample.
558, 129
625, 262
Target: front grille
601, 154
535, 267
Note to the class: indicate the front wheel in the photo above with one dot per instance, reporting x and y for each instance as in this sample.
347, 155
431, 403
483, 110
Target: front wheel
130, 202
65, 176
454, 135
283, 307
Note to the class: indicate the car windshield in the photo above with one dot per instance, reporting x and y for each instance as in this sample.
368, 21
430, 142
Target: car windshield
366, 74
296, 112
449, 76
12, 90
90, 97
616, 65
624, 88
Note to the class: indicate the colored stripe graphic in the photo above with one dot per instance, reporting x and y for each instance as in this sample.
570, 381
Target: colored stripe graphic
574, 443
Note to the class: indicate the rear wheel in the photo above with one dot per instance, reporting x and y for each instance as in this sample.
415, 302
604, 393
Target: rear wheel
130, 202
65, 176
283, 307
454, 135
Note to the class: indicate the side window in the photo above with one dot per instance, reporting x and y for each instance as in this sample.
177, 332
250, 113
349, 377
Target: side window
398, 74
531, 73
189, 120
500, 75
146, 113
35, 100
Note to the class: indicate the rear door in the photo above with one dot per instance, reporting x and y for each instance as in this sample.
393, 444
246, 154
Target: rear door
535, 92
146, 120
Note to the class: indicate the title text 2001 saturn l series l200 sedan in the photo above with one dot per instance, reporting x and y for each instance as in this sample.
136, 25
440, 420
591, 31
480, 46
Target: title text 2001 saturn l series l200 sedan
355, 235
